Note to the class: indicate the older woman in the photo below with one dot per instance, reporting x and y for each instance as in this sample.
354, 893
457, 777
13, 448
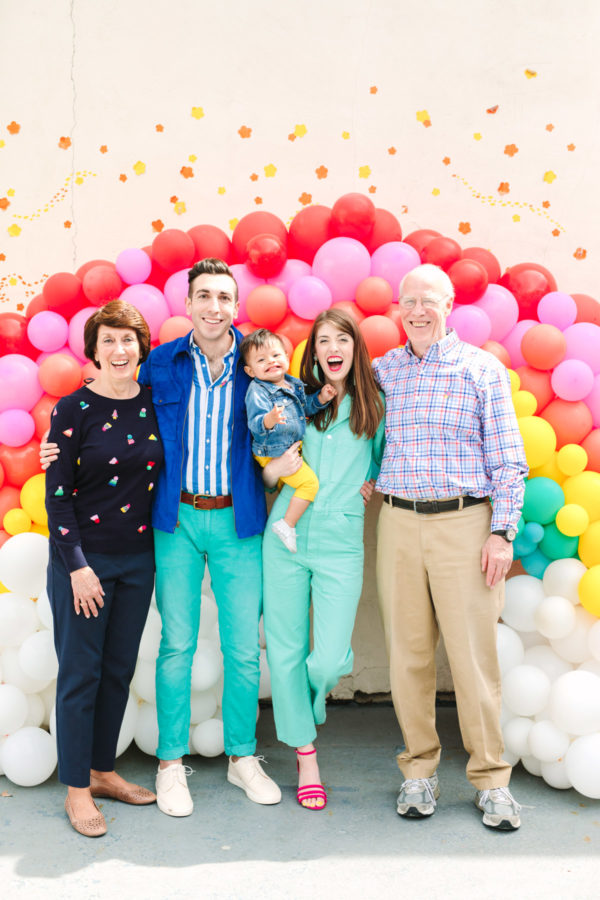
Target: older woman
101, 568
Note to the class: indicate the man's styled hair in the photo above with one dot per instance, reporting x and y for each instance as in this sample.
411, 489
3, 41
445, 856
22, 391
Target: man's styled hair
262, 337
210, 266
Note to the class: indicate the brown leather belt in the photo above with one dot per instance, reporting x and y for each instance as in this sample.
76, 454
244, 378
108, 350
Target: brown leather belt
205, 501
433, 506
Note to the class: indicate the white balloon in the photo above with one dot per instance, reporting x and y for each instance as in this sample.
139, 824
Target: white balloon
14, 674
582, 765
44, 610
18, 619
575, 703
594, 640
37, 656
264, 687
525, 690
547, 742
555, 774
555, 617
144, 680
533, 639
516, 735
590, 665
562, 577
29, 756
523, 594
510, 758
207, 738
146, 729
52, 722
203, 705
207, 666
208, 615
127, 725
150, 641
23, 563
2, 742
533, 765
544, 657
48, 695
36, 710
13, 709
574, 647
510, 648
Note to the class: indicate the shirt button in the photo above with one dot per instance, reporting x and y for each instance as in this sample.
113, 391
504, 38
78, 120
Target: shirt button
206, 467
208, 440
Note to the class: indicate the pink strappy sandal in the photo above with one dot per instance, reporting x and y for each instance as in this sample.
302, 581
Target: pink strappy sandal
310, 791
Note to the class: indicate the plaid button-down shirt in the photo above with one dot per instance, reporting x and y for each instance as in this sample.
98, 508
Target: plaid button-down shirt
451, 428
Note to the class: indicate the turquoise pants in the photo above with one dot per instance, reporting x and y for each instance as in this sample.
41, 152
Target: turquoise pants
207, 536
327, 570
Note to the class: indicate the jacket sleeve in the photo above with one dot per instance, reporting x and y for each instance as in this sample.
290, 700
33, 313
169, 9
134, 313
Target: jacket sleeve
258, 403
312, 403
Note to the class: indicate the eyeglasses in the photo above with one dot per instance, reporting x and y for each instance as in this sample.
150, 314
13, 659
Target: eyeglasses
426, 302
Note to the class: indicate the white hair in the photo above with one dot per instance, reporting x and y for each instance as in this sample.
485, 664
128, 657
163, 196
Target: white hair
435, 277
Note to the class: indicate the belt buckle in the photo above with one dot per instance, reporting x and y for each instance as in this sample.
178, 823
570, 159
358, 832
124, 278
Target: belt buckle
198, 498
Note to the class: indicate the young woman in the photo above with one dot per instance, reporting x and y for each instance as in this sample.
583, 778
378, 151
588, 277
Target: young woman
343, 445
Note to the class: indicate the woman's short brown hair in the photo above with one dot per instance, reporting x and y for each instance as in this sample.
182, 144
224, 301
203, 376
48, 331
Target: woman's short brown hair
116, 314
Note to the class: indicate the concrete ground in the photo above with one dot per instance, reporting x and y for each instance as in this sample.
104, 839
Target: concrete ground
357, 848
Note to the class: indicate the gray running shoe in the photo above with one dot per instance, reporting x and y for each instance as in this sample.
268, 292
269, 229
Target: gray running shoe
500, 809
417, 797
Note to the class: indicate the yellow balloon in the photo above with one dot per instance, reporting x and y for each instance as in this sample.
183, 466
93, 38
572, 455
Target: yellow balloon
572, 459
3, 590
539, 440
297, 359
40, 529
589, 590
515, 380
33, 495
525, 403
589, 546
16, 521
572, 520
584, 489
549, 470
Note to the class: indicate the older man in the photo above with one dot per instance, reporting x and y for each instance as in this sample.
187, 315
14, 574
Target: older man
452, 446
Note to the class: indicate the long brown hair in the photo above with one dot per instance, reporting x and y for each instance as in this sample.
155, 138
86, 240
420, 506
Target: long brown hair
366, 406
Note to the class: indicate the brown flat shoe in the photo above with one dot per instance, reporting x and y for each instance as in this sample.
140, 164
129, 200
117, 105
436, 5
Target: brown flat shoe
137, 796
94, 827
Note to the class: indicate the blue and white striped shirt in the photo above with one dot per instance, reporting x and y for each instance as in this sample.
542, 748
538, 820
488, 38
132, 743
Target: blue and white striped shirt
206, 452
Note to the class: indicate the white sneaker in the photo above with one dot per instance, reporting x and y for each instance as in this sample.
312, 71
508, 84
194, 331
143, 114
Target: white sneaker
172, 793
248, 775
417, 797
500, 809
285, 533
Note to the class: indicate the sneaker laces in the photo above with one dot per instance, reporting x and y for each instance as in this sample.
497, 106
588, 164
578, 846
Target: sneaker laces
500, 795
418, 786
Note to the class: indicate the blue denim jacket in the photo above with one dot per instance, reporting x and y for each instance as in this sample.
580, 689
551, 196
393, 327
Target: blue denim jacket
261, 396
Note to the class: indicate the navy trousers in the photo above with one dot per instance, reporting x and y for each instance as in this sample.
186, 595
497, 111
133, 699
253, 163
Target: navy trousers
96, 659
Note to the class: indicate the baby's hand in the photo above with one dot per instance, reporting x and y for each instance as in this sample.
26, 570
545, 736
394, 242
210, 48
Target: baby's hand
327, 393
274, 417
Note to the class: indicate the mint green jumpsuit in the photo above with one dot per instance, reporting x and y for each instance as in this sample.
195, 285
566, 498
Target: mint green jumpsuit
327, 570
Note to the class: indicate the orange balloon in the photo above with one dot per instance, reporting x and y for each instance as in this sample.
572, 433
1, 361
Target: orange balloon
498, 351
1, 476
20, 463
41, 413
60, 374
351, 308
295, 328
287, 344
380, 335
4, 536
10, 497
543, 346
247, 327
394, 314
591, 445
537, 383
267, 305
374, 295
571, 420
175, 327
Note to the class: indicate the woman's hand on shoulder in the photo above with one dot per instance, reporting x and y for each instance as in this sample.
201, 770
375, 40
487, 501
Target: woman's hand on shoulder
282, 466
48, 452
87, 592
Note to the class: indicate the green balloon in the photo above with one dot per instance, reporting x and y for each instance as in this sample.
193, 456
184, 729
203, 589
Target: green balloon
543, 499
557, 545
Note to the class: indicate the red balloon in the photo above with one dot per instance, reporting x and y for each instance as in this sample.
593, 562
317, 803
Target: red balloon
64, 295
173, 250
174, 327
537, 383
13, 335
158, 275
101, 284
266, 255
351, 308
20, 464
498, 351
294, 328
588, 309
1, 476
487, 260
310, 228
210, 241
528, 282
41, 413
287, 344
385, 230
571, 420
4, 536
374, 295
353, 215
247, 327
60, 374
10, 498
470, 280
380, 335
394, 314
420, 238
442, 252
591, 445
85, 268
543, 346
257, 223
38, 304
267, 305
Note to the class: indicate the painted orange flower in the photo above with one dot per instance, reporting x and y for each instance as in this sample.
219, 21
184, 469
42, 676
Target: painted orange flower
555, 232
13, 128
546, 204
254, 177
373, 90
258, 200
173, 199
2, 257
580, 253
492, 110
103, 148
67, 224
550, 127
372, 189
160, 127
511, 149
186, 171
244, 131
122, 177
305, 198
570, 147
446, 160
464, 227
157, 225
392, 150
4, 202
291, 136
64, 143
322, 172
503, 187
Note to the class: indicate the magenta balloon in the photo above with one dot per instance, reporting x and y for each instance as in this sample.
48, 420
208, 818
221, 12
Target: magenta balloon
19, 384
133, 265
176, 291
583, 342
392, 261
501, 308
512, 342
309, 296
16, 427
47, 330
246, 282
593, 402
150, 302
291, 272
572, 379
557, 309
470, 323
342, 263
76, 326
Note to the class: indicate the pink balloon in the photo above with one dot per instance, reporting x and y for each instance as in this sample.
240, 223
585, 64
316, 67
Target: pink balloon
512, 341
583, 342
309, 296
470, 323
176, 291
392, 261
291, 272
150, 302
133, 265
557, 309
593, 402
501, 308
16, 427
572, 379
19, 384
246, 282
342, 263
47, 330
76, 326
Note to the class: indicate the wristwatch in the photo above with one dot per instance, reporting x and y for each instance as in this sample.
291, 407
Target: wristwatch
509, 534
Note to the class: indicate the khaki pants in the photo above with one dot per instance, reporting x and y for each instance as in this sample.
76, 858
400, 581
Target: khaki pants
429, 580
